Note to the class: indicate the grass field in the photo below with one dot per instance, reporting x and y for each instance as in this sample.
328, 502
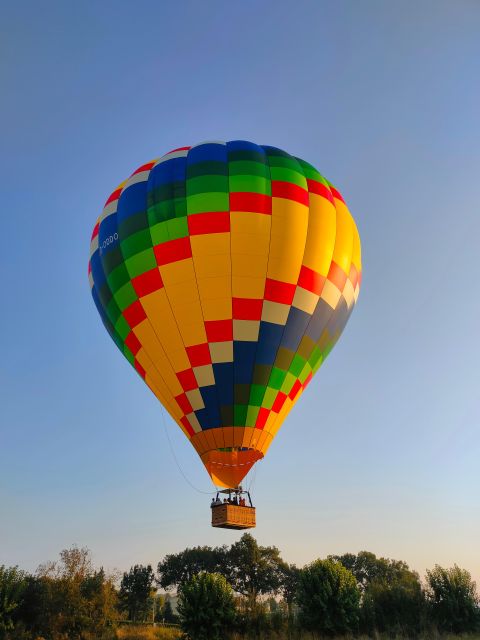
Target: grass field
142, 632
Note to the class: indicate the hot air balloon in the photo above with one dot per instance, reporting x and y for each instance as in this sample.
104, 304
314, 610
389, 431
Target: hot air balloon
225, 273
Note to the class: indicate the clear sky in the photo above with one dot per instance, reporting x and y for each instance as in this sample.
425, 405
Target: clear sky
382, 452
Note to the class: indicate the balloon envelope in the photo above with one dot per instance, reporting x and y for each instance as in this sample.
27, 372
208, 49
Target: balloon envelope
225, 273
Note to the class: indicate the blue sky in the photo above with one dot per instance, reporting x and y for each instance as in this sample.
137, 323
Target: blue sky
382, 451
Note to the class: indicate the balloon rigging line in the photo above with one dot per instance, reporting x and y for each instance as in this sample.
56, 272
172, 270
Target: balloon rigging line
208, 493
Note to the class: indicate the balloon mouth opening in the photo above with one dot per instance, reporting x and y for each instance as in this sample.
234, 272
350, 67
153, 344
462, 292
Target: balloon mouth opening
227, 466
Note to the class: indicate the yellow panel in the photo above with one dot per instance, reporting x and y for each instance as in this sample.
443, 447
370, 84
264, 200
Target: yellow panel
183, 292
250, 244
218, 309
357, 250
250, 266
210, 244
342, 253
209, 266
218, 287
249, 222
177, 272
159, 313
247, 287
149, 341
322, 225
288, 238
193, 334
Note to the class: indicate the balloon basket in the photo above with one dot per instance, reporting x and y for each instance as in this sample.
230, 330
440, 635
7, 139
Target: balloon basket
230, 514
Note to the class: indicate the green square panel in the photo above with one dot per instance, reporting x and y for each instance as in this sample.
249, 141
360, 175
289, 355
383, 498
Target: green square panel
250, 184
129, 355
136, 243
118, 278
161, 211
288, 383
205, 202
122, 328
111, 259
256, 394
252, 414
125, 296
276, 378
240, 415
269, 398
113, 312
177, 228
206, 184
297, 365
132, 224
305, 372
141, 262
159, 233
209, 167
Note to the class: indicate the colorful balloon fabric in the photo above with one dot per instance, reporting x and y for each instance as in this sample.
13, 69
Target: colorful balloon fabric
225, 273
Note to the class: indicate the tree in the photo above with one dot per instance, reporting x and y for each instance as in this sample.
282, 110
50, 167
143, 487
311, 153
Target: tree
452, 595
13, 584
69, 599
396, 606
253, 570
329, 598
135, 591
177, 568
206, 607
366, 567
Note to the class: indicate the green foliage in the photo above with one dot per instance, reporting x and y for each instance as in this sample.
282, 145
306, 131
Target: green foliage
453, 599
13, 584
69, 599
135, 592
367, 568
395, 607
253, 570
177, 568
329, 598
206, 607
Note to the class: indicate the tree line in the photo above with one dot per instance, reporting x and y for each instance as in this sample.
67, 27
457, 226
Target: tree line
240, 591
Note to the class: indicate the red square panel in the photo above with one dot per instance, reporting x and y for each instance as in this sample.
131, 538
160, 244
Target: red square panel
262, 418
148, 282
184, 403
279, 402
134, 314
140, 369
187, 379
295, 389
247, 308
277, 291
199, 355
219, 330
187, 426
133, 343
